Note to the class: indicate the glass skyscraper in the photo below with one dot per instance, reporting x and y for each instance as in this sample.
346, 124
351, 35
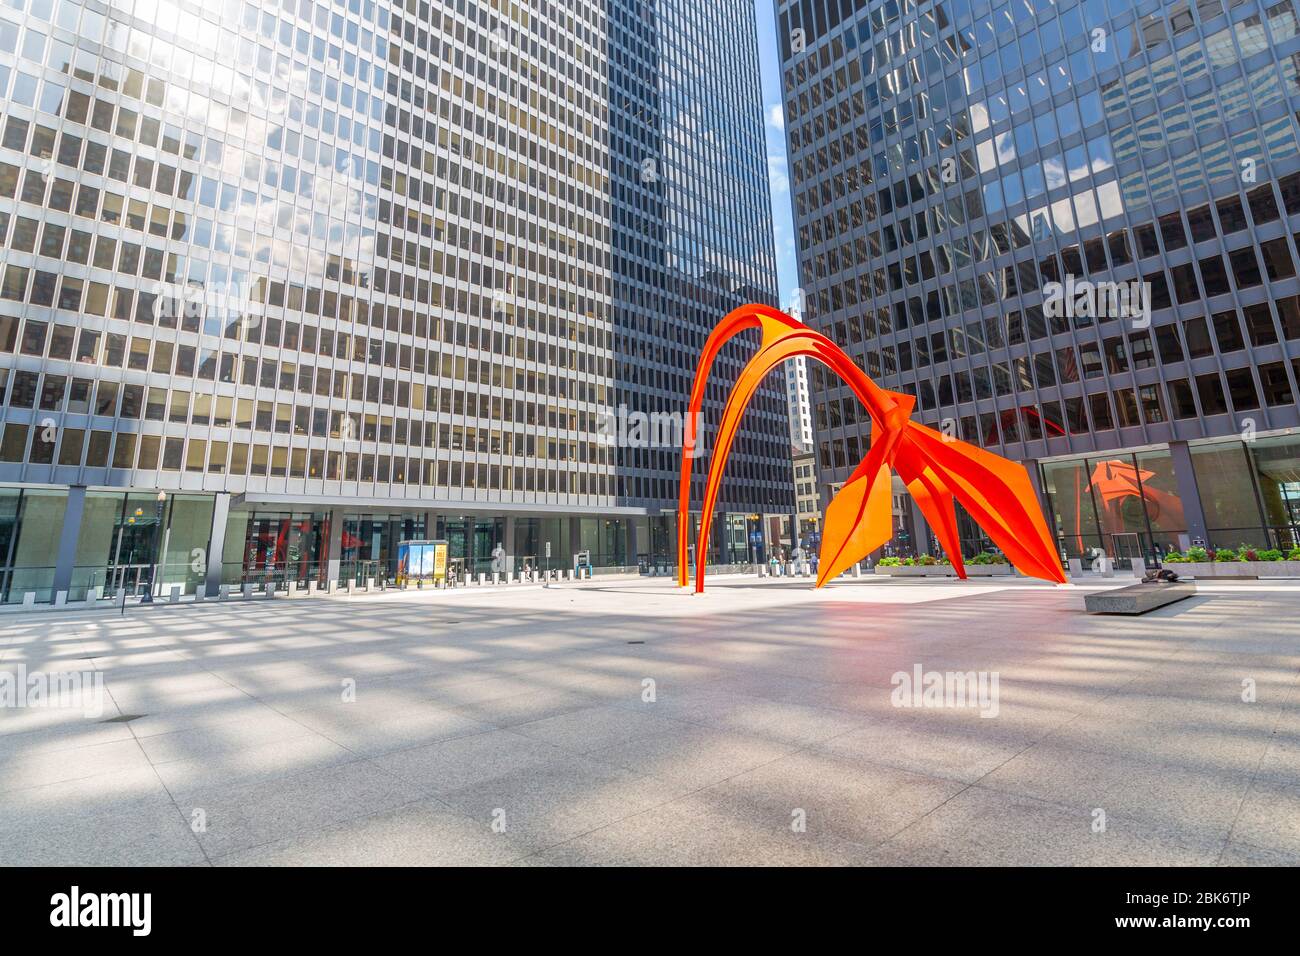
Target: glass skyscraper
331, 275
1068, 228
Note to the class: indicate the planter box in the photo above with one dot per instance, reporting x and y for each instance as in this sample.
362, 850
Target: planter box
989, 570
1236, 569
932, 571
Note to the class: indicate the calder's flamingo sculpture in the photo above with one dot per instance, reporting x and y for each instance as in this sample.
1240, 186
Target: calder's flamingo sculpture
936, 469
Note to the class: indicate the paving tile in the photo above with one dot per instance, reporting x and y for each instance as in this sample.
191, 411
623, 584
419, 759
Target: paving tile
260, 762
243, 815
541, 806
846, 799
593, 728
689, 832
423, 833
141, 832
1269, 817
933, 743
212, 739
1126, 786
24, 769
1243, 854
980, 827
464, 761
693, 757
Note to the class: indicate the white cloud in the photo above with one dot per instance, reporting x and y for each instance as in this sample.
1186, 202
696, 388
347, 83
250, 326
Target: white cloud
776, 117
777, 175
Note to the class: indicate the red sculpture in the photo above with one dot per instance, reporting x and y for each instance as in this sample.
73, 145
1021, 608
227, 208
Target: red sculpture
936, 469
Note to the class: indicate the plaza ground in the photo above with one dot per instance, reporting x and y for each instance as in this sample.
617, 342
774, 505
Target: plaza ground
625, 722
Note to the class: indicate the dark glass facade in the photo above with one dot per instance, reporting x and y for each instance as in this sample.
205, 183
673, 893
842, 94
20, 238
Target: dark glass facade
954, 160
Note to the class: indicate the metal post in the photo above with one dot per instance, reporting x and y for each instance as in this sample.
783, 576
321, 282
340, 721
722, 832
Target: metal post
117, 563
147, 597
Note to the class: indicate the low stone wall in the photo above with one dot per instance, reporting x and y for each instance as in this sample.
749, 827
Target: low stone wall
989, 570
1235, 569
919, 571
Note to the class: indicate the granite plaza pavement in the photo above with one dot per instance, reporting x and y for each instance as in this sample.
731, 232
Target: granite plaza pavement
626, 722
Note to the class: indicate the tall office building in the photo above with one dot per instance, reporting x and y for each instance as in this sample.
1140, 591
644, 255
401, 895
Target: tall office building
800, 406
1067, 227
284, 282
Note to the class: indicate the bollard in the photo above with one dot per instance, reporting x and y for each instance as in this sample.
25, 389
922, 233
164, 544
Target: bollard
223, 592
174, 596
60, 598
200, 593
1076, 567
29, 599
482, 579
1139, 568
857, 570
246, 590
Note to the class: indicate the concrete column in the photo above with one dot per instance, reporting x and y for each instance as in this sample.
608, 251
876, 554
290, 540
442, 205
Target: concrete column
66, 556
1189, 493
632, 546
217, 542
575, 540
920, 530
1036, 479
334, 566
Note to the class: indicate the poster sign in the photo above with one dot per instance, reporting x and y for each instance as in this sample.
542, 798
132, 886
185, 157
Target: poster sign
421, 561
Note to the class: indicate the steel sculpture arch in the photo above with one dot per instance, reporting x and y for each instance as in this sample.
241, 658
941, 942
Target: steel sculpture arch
937, 470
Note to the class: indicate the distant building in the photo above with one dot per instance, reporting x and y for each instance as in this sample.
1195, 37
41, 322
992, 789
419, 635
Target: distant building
808, 510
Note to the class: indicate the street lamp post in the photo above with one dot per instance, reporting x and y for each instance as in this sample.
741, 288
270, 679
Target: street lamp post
147, 597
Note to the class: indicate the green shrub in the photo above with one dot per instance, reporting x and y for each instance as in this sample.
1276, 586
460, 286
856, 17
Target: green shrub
1198, 554
927, 561
1226, 554
890, 562
909, 562
1293, 554
1268, 554
985, 557
1175, 557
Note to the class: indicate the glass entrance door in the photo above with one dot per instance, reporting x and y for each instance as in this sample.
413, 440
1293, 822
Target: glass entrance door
134, 535
1128, 549
369, 544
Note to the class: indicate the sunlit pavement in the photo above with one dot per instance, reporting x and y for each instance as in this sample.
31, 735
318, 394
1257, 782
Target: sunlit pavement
625, 722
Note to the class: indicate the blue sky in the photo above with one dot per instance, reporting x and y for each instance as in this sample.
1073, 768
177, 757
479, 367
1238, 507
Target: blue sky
777, 169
